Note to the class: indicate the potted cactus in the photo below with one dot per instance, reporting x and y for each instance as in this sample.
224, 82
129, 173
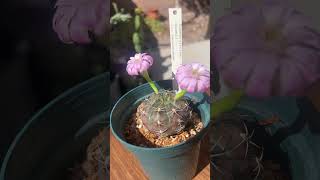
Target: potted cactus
161, 126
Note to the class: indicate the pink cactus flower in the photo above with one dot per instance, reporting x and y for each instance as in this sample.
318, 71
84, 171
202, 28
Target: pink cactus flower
139, 64
74, 19
193, 77
268, 49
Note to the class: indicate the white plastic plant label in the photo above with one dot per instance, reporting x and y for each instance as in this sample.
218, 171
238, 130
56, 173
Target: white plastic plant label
175, 23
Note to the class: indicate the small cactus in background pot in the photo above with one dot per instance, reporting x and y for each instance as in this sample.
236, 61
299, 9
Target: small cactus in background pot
164, 112
137, 36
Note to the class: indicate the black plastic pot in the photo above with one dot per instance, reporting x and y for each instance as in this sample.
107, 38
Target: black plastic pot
57, 136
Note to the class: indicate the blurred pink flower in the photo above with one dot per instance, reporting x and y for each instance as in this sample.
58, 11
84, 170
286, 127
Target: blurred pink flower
193, 77
74, 19
138, 64
266, 49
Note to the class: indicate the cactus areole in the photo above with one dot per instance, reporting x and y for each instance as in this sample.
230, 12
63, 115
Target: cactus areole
168, 112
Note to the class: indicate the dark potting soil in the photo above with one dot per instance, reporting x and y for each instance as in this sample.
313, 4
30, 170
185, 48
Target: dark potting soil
96, 165
136, 133
242, 149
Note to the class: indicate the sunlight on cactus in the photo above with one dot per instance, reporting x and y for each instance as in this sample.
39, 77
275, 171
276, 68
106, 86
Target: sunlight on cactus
163, 116
166, 113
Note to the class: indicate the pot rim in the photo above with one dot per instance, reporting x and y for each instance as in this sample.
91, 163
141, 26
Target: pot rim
191, 140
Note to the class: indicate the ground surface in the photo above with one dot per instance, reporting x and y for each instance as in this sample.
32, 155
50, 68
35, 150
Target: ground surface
194, 28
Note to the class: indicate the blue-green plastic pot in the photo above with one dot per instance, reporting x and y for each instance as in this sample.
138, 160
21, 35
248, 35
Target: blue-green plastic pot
298, 133
177, 162
57, 136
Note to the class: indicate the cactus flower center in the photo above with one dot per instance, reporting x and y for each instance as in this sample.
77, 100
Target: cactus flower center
137, 58
195, 73
274, 39
272, 34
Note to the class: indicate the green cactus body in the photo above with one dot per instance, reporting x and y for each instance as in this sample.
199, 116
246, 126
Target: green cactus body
163, 116
136, 39
137, 22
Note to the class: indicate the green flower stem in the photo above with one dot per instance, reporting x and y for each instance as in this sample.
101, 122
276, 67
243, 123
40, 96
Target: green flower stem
151, 83
226, 103
180, 94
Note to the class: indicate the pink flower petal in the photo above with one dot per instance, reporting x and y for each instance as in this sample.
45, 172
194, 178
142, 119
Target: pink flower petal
245, 59
242, 20
78, 31
259, 83
238, 71
139, 63
65, 3
291, 80
192, 86
223, 51
144, 66
295, 20
304, 36
147, 58
61, 21
86, 16
203, 86
274, 13
193, 77
307, 61
103, 15
74, 19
